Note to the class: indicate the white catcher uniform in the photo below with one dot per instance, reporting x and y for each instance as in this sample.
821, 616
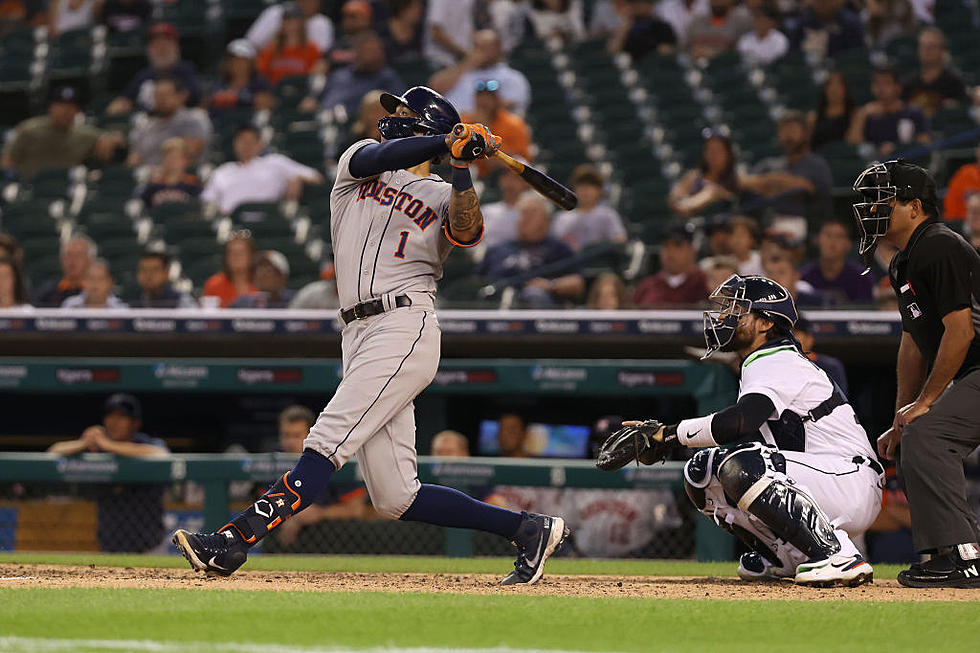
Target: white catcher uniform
828, 459
389, 240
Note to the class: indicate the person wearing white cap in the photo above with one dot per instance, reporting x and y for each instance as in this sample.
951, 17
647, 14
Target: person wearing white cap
319, 28
271, 277
241, 85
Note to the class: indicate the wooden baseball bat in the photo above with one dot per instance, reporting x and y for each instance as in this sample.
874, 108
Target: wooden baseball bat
561, 196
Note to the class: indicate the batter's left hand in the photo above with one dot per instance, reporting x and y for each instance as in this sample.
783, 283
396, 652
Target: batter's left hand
908, 414
471, 142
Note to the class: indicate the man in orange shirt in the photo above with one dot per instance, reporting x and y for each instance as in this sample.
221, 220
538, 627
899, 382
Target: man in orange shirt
965, 182
511, 128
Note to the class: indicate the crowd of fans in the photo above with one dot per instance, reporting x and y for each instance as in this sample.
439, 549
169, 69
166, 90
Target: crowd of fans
349, 46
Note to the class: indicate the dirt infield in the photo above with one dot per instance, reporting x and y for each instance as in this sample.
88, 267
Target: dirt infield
20, 575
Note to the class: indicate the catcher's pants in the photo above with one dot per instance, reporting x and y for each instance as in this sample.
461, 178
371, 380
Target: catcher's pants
848, 493
388, 360
931, 467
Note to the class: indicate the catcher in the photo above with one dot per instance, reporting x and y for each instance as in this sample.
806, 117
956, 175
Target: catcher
788, 469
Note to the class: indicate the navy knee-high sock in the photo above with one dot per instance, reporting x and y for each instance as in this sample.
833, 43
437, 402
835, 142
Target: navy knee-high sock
297, 489
444, 506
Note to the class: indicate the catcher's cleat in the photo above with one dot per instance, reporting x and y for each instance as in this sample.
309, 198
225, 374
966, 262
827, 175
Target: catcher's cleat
538, 537
753, 566
942, 571
837, 570
217, 554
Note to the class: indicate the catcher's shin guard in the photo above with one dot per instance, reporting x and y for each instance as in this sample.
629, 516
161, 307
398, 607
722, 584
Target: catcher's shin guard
278, 504
789, 512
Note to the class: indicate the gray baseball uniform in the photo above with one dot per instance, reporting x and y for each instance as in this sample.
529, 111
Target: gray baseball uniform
389, 240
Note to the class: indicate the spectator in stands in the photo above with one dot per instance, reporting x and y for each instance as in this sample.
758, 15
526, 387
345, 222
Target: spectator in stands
338, 501
13, 290
641, 31
838, 279
126, 16
834, 368
55, 140
489, 110
886, 20
830, 122
508, 18
807, 186
255, 177
163, 54
718, 269
500, 218
608, 293
964, 182
449, 26
237, 269
743, 243
607, 17
780, 268
356, 17
368, 71
971, 225
319, 28
97, 289
826, 28
10, 248
512, 436
170, 119
271, 278
171, 182
483, 63
130, 517
936, 85
679, 13
156, 291
320, 294
561, 19
680, 280
69, 15
888, 122
76, 257
450, 444
764, 44
402, 32
532, 250
241, 86
713, 185
290, 54
369, 112
592, 221
717, 31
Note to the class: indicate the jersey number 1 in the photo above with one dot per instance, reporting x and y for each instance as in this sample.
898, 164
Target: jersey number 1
400, 252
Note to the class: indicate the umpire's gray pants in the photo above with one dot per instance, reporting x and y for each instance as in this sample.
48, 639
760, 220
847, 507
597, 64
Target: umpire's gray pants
931, 467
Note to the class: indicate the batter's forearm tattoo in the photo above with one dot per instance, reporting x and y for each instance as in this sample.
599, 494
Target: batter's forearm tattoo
464, 212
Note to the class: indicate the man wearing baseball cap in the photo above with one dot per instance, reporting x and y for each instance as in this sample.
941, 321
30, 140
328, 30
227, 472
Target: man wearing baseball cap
130, 516
271, 277
680, 280
163, 55
936, 277
56, 140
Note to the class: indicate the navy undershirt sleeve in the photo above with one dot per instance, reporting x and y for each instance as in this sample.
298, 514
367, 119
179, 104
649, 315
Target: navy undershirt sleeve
743, 419
396, 154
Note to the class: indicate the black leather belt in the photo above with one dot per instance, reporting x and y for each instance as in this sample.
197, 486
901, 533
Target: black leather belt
873, 464
371, 307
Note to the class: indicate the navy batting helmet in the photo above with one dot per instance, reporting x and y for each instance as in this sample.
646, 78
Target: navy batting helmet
436, 115
736, 298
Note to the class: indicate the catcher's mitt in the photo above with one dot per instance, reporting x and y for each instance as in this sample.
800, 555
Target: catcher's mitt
646, 442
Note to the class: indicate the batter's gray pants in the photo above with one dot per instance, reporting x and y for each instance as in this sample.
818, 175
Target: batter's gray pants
931, 467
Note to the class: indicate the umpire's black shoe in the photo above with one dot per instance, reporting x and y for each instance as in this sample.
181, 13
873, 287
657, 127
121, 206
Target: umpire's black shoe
215, 554
942, 571
538, 537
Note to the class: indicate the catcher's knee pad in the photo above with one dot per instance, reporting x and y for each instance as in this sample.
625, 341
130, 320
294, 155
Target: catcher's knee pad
697, 475
746, 469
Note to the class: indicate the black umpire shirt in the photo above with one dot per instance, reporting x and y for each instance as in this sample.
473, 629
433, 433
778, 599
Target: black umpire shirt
937, 273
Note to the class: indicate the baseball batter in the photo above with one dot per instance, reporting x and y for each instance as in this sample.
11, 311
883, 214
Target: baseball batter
392, 225
795, 477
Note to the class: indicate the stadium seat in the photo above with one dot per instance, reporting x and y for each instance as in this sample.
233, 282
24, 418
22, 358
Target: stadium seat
71, 55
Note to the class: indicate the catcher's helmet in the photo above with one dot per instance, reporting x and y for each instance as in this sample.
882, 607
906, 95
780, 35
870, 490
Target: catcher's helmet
736, 297
878, 185
436, 115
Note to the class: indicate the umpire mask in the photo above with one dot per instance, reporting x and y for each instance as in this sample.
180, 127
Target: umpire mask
873, 215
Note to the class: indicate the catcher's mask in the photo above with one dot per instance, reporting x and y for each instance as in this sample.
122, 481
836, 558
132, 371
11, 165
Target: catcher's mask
738, 296
880, 185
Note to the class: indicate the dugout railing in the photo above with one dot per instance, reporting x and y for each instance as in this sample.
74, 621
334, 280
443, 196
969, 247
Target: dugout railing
214, 473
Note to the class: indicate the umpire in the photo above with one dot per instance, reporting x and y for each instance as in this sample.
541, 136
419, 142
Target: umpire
936, 276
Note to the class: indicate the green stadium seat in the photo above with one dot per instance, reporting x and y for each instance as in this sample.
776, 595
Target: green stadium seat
180, 228
71, 54
256, 212
50, 183
292, 90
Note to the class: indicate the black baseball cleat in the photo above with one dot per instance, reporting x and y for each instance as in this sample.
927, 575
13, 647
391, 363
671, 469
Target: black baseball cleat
538, 537
942, 571
216, 554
